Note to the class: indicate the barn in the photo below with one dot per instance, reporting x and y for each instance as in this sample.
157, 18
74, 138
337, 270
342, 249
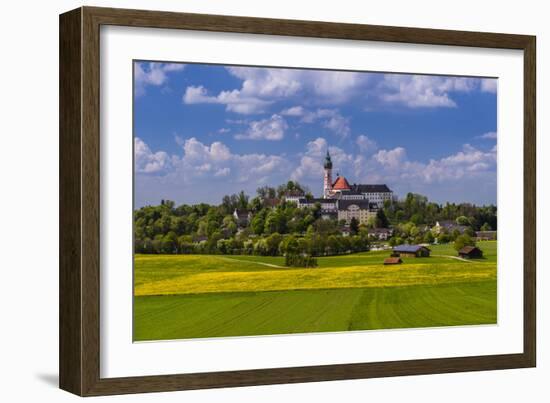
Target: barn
411, 251
392, 260
470, 252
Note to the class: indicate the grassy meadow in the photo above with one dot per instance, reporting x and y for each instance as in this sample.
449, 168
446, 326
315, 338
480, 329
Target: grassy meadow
192, 296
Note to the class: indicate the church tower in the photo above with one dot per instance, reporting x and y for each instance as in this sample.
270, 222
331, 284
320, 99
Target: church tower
327, 184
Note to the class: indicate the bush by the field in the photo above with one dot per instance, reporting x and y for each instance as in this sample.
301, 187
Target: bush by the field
295, 260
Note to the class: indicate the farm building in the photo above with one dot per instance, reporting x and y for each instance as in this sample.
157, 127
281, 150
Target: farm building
486, 235
392, 260
411, 251
470, 252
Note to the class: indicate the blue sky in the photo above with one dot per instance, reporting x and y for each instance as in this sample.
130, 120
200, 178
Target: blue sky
202, 131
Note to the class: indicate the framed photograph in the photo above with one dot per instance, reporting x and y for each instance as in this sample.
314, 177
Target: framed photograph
248, 201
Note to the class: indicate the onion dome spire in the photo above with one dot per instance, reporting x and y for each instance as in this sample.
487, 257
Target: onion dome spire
328, 161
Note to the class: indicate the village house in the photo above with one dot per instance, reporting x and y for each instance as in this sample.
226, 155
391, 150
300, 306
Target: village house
411, 251
271, 202
200, 238
344, 230
470, 252
448, 226
486, 235
329, 207
381, 234
242, 217
294, 195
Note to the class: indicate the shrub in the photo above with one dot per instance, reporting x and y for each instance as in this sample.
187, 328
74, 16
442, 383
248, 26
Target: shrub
462, 241
295, 260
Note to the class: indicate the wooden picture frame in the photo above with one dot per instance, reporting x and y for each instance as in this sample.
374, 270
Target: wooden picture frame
80, 199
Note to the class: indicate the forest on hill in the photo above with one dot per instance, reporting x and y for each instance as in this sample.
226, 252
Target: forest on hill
266, 224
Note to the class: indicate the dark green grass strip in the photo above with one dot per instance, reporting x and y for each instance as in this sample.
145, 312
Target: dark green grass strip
285, 312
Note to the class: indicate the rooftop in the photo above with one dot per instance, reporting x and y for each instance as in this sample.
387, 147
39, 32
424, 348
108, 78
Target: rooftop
408, 248
392, 260
317, 200
362, 204
361, 188
379, 230
467, 249
341, 183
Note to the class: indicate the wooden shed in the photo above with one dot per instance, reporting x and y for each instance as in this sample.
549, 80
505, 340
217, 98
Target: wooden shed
470, 252
393, 260
411, 251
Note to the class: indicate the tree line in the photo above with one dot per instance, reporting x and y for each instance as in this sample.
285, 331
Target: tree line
414, 217
417, 209
271, 226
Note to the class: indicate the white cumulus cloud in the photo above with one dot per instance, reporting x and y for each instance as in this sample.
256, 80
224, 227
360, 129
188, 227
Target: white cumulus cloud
417, 91
365, 143
293, 111
152, 73
272, 128
311, 162
330, 119
233, 100
262, 87
198, 161
489, 135
148, 162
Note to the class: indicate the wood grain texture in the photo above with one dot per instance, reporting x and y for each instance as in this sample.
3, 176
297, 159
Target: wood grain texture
90, 202
530, 203
70, 274
80, 200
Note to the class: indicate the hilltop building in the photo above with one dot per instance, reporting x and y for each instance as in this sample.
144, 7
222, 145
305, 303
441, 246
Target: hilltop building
341, 188
361, 210
343, 201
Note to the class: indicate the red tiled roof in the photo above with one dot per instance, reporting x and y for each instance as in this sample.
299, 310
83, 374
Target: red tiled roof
341, 183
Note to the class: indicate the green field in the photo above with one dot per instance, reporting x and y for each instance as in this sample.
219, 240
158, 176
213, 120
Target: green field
190, 296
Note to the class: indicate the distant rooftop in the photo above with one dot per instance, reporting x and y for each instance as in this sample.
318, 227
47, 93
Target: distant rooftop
362, 204
467, 249
408, 248
370, 188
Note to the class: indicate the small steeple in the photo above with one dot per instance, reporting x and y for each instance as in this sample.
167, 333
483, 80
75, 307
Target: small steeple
328, 161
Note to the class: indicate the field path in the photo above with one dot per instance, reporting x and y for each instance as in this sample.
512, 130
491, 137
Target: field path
454, 257
253, 261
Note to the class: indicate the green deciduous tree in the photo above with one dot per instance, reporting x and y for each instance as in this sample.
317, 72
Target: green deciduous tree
462, 241
462, 220
428, 237
486, 227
